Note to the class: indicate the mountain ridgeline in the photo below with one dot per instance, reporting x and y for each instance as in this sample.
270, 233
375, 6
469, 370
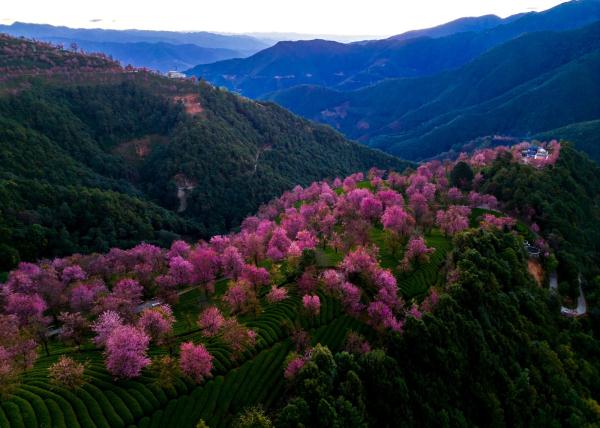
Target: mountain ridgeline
93, 157
356, 65
535, 83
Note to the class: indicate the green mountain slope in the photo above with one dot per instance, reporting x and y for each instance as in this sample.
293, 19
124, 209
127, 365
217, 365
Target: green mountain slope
586, 136
75, 124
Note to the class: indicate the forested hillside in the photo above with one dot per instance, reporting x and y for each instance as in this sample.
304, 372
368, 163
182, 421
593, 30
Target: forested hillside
92, 154
585, 135
373, 300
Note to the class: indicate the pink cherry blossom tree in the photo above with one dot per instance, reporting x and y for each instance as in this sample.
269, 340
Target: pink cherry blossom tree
371, 208
397, 221
454, 194
179, 248
74, 328
307, 283
416, 251
277, 294
210, 321
455, 219
312, 304
350, 297
181, 270
232, 262
157, 323
195, 361
278, 245
241, 297
293, 367
256, 276
387, 288
126, 352
106, 323
83, 296
332, 280
67, 373
125, 297
382, 318
490, 221
73, 273
390, 198
206, 265
237, 337
306, 240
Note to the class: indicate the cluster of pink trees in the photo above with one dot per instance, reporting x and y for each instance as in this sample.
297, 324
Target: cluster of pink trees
108, 293
453, 220
361, 267
238, 337
490, 221
416, 251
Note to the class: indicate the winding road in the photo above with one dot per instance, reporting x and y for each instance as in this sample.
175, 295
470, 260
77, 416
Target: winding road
581, 308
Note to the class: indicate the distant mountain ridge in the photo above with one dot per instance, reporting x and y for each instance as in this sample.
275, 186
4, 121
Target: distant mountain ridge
160, 50
156, 56
200, 38
356, 65
537, 82
461, 25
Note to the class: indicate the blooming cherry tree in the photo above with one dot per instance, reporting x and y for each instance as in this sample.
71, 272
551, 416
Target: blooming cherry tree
312, 304
210, 321
126, 352
195, 361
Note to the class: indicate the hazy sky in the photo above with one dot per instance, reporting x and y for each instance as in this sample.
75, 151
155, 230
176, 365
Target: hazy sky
371, 17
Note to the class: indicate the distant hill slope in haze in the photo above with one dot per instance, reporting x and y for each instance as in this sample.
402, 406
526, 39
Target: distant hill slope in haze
157, 50
534, 83
156, 56
92, 157
356, 65
200, 38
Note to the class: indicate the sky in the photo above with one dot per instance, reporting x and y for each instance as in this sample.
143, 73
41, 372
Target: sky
341, 17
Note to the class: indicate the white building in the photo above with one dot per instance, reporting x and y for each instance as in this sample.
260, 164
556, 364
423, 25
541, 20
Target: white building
541, 153
175, 75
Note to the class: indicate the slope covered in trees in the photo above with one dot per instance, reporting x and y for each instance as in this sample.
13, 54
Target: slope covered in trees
357, 65
535, 83
585, 135
92, 155
356, 302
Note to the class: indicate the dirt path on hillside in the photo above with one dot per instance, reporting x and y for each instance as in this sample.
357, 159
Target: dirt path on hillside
535, 269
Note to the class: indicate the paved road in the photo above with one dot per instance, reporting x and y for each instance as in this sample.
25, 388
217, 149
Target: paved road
581, 308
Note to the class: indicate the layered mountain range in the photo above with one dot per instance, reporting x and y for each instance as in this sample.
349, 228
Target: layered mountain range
423, 92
